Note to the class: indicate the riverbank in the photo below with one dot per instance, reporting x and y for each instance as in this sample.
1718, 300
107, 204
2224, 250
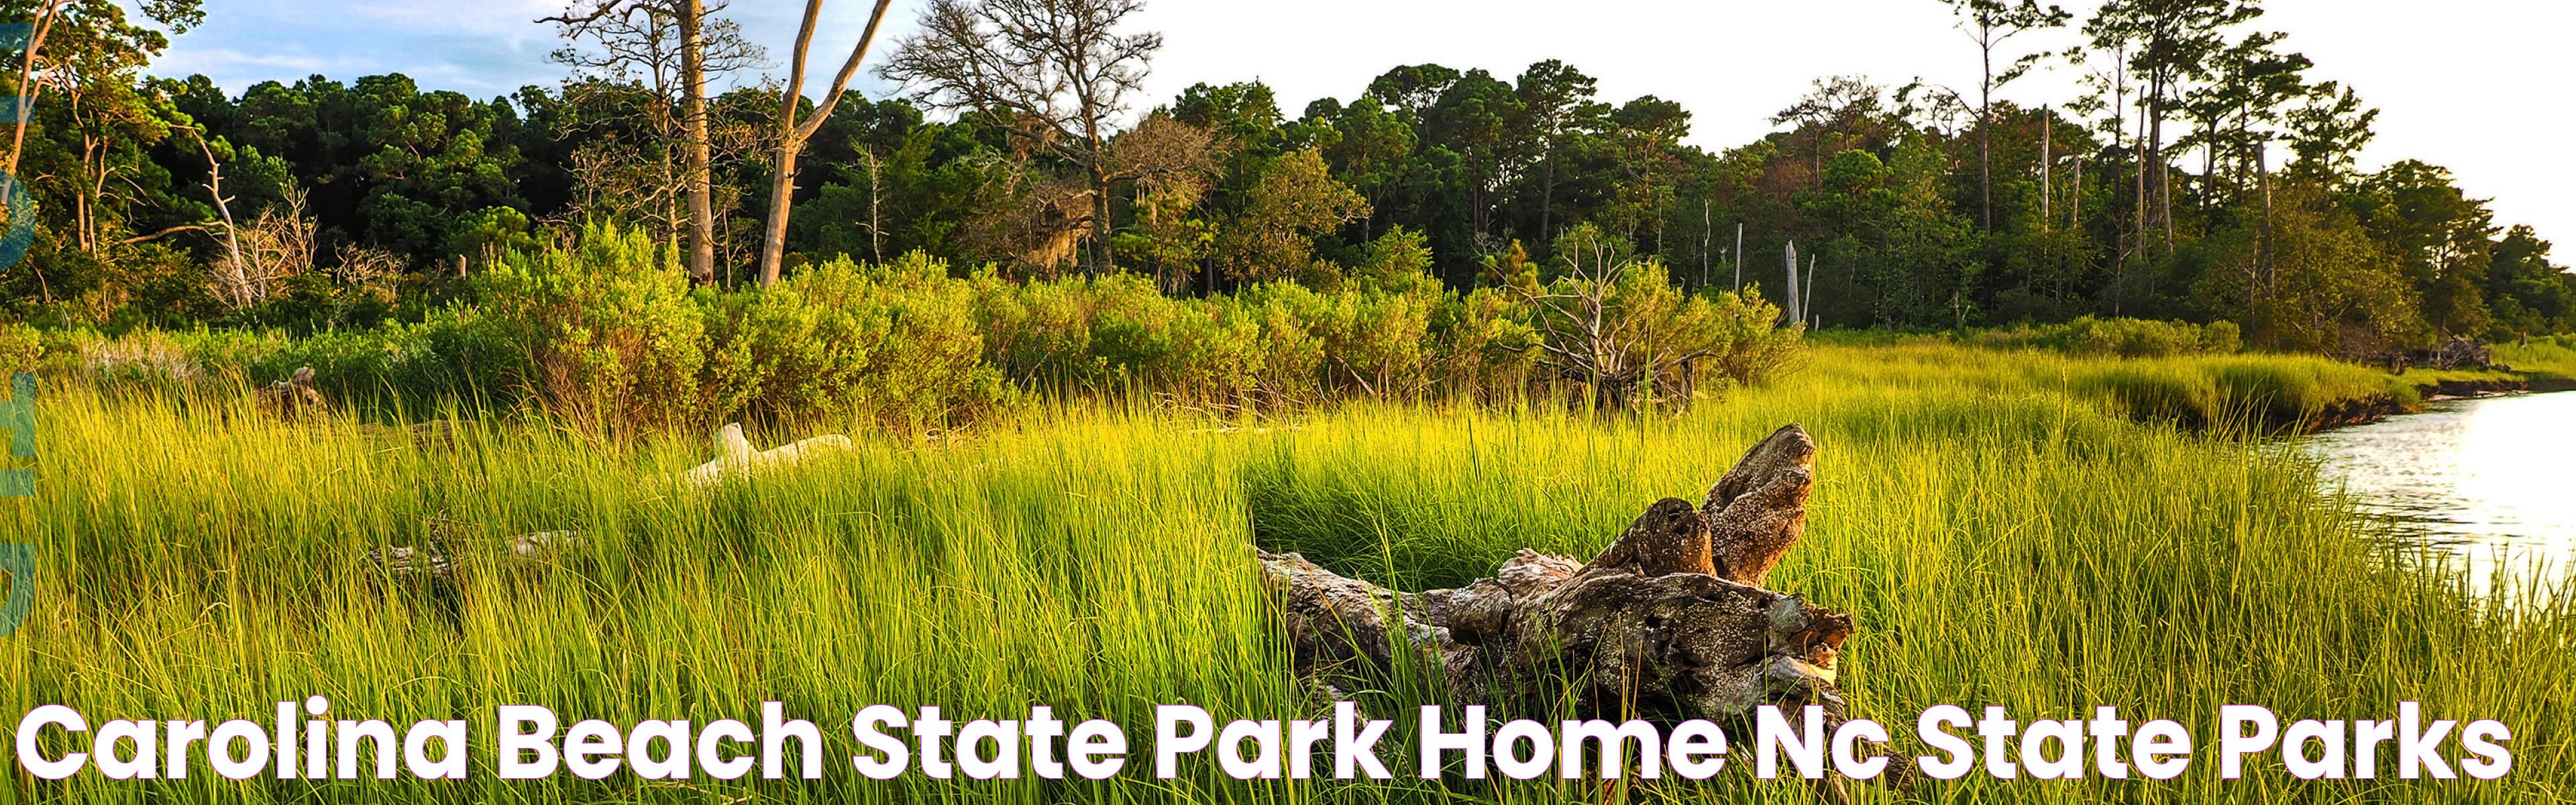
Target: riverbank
2002, 534
2551, 373
2267, 393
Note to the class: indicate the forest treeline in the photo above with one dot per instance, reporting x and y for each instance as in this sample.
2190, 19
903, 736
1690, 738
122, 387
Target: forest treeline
2207, 173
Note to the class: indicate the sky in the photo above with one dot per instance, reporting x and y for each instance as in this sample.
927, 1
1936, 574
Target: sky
2478, 86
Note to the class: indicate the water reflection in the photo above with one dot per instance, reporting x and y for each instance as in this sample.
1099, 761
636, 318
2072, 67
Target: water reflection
2490, 479
2487, 478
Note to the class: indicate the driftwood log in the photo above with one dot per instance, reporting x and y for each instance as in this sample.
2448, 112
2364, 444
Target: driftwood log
735, 459
290, 398
1671, 621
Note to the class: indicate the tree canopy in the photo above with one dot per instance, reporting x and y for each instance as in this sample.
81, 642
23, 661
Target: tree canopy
2208, 173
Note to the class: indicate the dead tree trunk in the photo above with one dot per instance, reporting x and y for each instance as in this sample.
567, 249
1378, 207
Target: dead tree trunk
1672, 619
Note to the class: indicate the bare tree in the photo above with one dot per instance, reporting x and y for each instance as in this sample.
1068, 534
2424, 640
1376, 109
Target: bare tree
46, 12
364, 275
1613, 323
667, 49
792, 134
277, 245
1050, 72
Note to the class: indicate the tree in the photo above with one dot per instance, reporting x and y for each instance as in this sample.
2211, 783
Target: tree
2439, 236
94, 62
1989, 23
1557, 112
2530, 294
668, 49
1273, 238
2328, 132
387, 165
691, 16
1172, 164
1645, 137
98, 29
1370, 149
1050, 72
792, 134
2168, 42
1833, 114
2334, 288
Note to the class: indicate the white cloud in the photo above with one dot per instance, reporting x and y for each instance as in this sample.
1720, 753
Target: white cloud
512, 19
282, 66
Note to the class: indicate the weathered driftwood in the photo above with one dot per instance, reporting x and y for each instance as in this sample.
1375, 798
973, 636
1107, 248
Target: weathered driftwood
1671, 620
734, 459
289, 398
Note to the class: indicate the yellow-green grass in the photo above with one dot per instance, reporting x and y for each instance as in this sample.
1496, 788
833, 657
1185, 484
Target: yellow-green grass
2226, 393
2002, 537
2552, 358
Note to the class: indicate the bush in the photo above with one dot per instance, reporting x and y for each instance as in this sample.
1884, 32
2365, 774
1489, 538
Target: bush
22, 348
608, 335
2127, 338
1616, 325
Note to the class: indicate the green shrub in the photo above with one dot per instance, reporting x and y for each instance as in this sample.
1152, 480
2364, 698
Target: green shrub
607, 335
22, 348
1619, 327
930, 366
610, 335
895, 345
2127, 338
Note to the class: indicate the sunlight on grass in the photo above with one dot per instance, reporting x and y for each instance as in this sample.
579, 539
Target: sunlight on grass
2001, 536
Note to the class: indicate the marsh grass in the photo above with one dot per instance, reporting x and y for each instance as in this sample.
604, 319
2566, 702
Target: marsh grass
2553, 357
2003, 537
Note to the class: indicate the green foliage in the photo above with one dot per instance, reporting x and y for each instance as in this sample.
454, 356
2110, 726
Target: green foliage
606, 336
2127, 338
896, 345
1295, 198
1619, 327
1910, 211
22, 348
611, 337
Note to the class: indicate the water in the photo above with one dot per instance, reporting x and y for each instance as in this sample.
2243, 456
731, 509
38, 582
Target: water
2491, 480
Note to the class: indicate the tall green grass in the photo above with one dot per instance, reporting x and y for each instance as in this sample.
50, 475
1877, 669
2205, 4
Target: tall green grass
2552, 358
2001, 533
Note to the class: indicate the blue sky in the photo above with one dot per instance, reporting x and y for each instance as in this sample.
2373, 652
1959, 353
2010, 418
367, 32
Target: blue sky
2480, 86
479, 47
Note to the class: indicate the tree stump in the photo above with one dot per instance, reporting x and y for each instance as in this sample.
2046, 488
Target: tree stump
1670, 621
291, 398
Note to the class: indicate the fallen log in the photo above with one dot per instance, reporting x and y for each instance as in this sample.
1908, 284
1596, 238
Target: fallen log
1672, 620
735, 459
291, 398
